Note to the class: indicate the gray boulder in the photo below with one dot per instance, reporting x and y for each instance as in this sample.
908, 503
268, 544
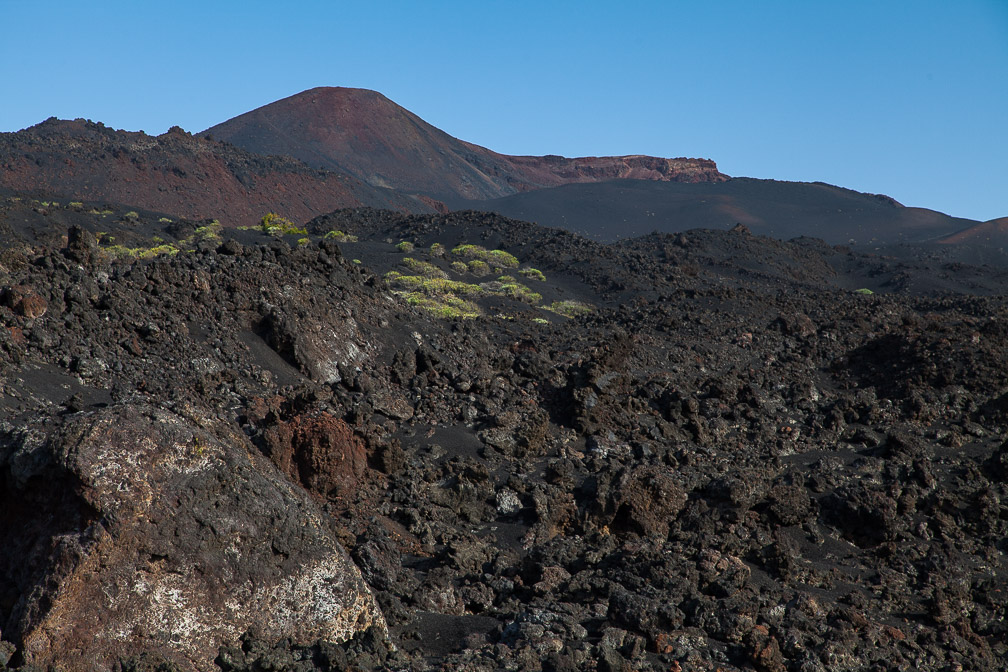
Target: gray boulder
183, 537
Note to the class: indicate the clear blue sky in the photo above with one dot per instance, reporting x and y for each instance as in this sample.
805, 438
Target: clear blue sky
907, 98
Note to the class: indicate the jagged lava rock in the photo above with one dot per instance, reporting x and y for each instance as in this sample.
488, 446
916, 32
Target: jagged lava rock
194, 538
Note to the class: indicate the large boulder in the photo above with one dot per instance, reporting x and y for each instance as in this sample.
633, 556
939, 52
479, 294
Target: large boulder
181, 538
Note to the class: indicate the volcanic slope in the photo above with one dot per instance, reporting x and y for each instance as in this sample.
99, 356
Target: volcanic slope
622, 209
176, 173
364, 134
720, 452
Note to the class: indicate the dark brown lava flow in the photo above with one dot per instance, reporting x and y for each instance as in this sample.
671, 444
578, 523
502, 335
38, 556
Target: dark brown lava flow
703, 451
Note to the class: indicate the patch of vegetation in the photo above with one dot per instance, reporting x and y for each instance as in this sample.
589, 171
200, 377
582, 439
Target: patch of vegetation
424, 268
340, 237
532, 274
123, 252
498, 258
519, 292
303, 241
444, 306
865, 291
442, 294
479, 268
540, 320
275, 225
209, 231
75, 205
569, 308
132, 215
433, 286
165, 220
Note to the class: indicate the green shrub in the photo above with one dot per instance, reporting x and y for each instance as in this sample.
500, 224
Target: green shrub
467, 250
569, 308
495, 257
404, 246
479, 268
864, 290
123, 252
432, 286
209, 231
459, 266
532, 274
303, 241
502, 258
275, 225
437, 250
445, 306
340, 237
520, 292
424, 268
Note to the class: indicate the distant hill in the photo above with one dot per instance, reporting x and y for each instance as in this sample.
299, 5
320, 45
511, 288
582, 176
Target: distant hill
177, 173
366, 135
331, 148
626, 208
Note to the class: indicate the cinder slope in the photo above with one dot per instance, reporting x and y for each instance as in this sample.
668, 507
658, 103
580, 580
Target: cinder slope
626, 208
366, 135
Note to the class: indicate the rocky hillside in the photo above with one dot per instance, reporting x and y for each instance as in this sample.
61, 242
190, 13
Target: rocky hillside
176, 173
364, 134
466, 442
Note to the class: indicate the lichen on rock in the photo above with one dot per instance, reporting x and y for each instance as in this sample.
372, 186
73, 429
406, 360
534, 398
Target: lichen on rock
194, 539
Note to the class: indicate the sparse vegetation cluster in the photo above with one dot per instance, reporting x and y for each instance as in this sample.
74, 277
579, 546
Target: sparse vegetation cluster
497, 259
428, 285
275, 225
569, 308
340, 237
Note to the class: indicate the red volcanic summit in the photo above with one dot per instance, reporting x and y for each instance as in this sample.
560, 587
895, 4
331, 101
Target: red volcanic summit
366, 135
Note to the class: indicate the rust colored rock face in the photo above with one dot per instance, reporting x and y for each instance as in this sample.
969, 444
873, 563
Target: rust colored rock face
25, 301
318, 451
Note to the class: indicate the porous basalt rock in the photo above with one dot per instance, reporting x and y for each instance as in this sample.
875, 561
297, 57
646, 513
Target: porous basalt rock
192, 539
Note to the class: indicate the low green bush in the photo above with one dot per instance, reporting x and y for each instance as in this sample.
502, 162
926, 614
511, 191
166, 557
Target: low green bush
569, 308
498, 258
340, 237
532, 274
423, 268
275, 225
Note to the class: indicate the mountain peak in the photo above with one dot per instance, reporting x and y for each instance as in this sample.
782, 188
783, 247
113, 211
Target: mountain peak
363, 133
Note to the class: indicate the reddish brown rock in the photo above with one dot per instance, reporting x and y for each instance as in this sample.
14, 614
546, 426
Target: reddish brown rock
25, 301
171, 534
318, 451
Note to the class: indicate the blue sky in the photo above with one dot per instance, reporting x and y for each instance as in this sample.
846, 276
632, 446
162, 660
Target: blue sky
906, 98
